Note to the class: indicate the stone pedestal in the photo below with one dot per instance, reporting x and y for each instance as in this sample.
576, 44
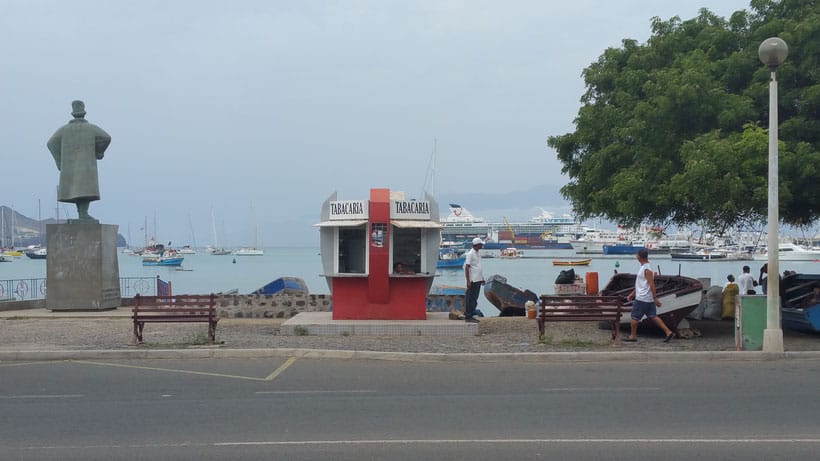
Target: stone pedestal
82, 269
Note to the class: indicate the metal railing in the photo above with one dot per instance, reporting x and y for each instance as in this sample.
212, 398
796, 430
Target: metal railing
22, 289
35, 288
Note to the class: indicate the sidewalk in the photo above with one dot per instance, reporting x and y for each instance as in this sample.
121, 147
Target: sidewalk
38, 334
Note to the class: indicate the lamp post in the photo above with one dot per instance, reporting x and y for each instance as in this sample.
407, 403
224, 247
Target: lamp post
772, 52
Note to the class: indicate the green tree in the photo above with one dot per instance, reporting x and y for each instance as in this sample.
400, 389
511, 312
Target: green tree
674, 130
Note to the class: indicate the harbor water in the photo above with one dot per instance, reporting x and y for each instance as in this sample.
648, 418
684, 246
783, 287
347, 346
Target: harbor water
206, 273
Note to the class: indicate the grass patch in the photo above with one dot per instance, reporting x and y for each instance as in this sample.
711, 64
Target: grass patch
573, 342
345, 333
545, 340
300, 331
199, 339
17, 317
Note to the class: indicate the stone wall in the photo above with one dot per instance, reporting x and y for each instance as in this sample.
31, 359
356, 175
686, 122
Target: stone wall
270, 306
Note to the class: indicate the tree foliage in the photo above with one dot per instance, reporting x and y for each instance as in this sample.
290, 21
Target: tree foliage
675, 130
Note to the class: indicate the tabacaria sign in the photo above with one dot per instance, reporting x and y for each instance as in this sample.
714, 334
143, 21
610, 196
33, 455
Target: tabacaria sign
348, 209
409, 209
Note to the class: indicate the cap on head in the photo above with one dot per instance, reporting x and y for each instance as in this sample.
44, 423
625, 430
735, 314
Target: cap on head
478, 241
78, 108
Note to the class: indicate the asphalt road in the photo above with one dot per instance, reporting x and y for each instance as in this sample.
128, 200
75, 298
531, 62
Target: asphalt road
354, 410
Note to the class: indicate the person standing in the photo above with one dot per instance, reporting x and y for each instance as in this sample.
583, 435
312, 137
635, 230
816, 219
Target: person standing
76, 147
762, 279
747, 282
728, 298
475, 278
646, 300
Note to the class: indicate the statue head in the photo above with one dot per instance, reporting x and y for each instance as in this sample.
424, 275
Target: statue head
78, 109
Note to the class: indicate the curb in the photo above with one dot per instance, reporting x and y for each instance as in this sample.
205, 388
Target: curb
526, 357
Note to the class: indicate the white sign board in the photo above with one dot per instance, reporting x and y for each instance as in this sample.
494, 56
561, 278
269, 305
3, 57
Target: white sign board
409, 209
348, 209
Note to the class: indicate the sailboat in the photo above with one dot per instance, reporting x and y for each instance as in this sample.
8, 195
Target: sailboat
255, 250
188, 249
215, 249
10, 251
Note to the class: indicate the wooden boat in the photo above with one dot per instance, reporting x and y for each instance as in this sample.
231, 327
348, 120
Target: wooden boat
579, 262
508, 299
800, 296
678, 295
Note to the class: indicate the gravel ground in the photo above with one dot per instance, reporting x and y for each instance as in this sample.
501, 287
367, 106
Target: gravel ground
495, 335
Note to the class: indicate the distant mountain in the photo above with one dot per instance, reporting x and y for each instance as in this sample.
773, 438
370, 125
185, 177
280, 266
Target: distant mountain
27, 231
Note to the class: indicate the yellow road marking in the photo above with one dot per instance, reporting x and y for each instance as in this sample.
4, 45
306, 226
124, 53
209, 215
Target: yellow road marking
281, 368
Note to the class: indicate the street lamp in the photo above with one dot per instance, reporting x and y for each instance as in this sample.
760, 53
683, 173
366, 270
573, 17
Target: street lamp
772, 52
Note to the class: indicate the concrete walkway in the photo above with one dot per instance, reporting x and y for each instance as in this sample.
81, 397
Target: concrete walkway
39, 334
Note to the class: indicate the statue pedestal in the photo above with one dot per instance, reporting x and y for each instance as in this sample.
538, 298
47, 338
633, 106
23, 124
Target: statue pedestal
82, 269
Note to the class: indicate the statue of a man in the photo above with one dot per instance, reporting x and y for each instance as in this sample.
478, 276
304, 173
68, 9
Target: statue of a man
76, 147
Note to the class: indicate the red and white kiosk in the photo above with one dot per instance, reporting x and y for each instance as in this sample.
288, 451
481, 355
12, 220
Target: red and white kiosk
379, 255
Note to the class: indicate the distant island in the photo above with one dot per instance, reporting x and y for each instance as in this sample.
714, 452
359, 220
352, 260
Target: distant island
21, 231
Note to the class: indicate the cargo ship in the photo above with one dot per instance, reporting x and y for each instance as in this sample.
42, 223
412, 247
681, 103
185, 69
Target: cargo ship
543, 232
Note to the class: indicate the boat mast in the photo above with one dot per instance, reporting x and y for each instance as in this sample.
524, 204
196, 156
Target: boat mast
430, 178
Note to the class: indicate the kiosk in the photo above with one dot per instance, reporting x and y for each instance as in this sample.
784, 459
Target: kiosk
379, 255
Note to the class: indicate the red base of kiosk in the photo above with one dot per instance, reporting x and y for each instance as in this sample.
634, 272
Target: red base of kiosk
407, 299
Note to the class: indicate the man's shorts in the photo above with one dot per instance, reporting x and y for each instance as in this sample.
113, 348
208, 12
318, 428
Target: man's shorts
641, 308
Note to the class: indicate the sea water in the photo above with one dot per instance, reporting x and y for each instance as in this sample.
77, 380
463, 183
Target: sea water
206, 273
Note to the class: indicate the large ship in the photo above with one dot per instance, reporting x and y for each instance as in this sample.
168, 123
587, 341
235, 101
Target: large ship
543, 232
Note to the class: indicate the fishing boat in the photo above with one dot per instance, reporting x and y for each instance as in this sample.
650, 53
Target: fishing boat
450, 258
166, 258
579, 262
678, 295
249, 251
800, 297
508, 299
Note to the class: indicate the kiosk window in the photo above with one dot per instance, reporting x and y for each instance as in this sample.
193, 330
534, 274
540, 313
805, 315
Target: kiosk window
352, 250
407, 248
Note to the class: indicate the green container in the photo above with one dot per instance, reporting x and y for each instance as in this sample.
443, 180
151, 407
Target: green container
750, 322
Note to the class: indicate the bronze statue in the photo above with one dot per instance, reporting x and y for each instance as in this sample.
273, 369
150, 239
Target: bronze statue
76, 147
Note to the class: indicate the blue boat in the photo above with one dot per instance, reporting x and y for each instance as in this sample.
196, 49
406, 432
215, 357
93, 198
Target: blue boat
621, 249
283, 285
450, 258
800, 295
163, 261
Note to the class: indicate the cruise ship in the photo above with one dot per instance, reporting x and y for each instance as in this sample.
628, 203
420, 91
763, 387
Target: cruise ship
543, 232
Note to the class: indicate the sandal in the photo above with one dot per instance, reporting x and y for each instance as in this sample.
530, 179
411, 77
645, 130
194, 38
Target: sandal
669, 337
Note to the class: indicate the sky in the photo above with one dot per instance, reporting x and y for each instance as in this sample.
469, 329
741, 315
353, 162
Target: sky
254, 112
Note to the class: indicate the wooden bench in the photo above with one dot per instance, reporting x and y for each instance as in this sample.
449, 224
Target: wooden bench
179, 308
581, 308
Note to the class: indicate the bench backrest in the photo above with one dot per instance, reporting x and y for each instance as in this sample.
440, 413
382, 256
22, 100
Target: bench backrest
204, 304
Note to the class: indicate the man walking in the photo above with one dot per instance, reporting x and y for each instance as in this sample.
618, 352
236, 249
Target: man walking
747, 281
475, 278
646, 300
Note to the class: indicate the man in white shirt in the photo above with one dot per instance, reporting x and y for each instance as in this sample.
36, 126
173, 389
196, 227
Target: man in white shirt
475, 278
646, 300
747, 282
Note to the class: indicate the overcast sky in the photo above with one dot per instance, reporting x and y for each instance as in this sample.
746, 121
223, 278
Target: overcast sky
261, 109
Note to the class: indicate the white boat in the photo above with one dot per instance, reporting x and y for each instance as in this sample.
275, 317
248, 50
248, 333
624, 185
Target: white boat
792, 252
186, 250
256, 249
249, 252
